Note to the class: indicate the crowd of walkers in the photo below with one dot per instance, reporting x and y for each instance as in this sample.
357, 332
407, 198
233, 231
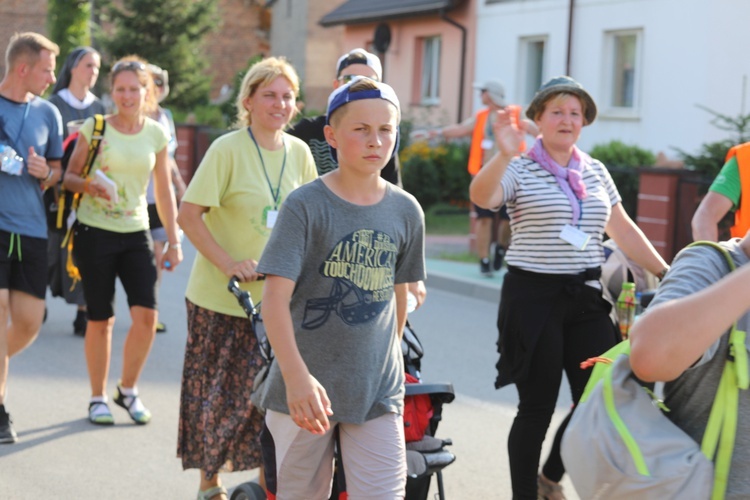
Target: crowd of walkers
311, 217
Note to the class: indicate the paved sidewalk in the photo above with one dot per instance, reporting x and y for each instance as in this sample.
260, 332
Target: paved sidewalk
462, 278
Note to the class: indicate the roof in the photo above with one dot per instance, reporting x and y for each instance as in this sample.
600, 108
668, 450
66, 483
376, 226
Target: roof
365, 11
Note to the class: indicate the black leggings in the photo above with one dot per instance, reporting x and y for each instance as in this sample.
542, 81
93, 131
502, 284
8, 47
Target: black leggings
578, 328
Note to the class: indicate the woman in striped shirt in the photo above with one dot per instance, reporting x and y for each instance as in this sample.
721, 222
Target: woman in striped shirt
552, 313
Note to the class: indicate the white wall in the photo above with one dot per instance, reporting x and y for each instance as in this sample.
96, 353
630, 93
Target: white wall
693, 52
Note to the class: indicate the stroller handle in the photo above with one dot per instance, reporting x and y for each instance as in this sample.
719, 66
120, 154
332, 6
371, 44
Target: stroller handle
246, 302
243, 296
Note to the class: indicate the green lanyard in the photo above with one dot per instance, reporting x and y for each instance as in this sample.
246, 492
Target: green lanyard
274, 193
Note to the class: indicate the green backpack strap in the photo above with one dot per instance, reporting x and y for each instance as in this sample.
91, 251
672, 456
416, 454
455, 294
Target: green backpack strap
719, 437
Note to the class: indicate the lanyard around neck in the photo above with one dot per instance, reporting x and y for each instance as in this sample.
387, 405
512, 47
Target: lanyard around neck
20, 129
274, 193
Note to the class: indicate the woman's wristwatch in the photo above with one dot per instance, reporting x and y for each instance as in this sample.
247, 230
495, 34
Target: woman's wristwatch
662, 273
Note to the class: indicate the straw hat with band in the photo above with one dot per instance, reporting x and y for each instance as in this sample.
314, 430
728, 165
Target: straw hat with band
558, 85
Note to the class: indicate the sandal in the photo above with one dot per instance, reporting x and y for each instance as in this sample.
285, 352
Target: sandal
139, 417
100, 417
548, 489
210, 493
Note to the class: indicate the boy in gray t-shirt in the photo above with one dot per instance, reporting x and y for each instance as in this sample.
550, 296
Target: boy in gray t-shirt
338, 262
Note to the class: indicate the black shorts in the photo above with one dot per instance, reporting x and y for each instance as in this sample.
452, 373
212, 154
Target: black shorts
23, 264
102, 256
154, 221
483, 213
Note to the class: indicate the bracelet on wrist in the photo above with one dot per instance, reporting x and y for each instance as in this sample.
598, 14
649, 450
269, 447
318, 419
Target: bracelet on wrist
662, 273
170, 246
86, 183
49, 174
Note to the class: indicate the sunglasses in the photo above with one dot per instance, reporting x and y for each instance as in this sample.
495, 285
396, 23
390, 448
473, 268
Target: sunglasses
349, 78
128, 66
159, 82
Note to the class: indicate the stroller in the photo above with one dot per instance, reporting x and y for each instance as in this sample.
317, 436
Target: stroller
425, 458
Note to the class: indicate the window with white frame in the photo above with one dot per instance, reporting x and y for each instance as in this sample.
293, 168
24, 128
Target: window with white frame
430, 78
623, 49
531, 69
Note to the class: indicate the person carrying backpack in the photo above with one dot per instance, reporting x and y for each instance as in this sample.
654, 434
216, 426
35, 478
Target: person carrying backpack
682, 340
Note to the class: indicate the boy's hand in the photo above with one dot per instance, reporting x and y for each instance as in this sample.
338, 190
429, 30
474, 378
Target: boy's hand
309, 405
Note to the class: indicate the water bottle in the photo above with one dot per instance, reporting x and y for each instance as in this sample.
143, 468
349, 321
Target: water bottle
411, 302
625, 307
10, 162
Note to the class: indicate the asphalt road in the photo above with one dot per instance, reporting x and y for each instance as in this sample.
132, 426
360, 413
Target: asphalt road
60, 455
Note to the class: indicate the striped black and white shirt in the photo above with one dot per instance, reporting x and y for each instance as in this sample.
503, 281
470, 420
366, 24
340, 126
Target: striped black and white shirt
539, 209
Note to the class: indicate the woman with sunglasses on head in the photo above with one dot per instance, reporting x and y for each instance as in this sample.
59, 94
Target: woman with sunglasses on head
73, 98
111, 237
228, 212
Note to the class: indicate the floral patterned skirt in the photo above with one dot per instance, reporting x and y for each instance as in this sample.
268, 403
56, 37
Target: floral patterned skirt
219, 427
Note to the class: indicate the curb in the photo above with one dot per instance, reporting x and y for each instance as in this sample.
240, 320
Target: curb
456, 278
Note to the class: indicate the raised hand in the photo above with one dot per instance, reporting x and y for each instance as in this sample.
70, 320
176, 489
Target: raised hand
508, 135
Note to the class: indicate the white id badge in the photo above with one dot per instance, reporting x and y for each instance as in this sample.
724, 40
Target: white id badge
575, 237
271, 216
487, 144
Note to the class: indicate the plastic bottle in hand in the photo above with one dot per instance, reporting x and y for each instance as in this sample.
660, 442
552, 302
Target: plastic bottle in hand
625, 307
411, 302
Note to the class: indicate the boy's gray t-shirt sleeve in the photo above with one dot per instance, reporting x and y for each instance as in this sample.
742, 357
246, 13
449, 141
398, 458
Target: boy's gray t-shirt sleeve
410, 266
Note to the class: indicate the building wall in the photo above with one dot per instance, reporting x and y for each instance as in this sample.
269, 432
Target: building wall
242, 34
312, 49
685, 62
19, 16
323, 49
289, 32
402, 65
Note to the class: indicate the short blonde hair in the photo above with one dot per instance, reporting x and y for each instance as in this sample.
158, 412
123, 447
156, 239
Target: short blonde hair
139, 66
261, 74
27, 45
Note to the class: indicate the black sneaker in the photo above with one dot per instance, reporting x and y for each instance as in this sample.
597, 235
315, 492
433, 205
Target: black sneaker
79, 324
161, 327
484, 268
7, 434
497, 262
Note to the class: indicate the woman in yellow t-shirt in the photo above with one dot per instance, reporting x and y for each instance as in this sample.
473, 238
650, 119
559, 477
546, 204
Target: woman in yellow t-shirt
227, 212
112, 237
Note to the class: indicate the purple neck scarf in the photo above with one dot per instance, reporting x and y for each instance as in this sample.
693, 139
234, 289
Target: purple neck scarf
570, 179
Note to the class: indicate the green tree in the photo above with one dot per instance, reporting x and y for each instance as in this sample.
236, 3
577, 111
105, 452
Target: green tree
68, 25
168, 33
622, 160
738, 125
